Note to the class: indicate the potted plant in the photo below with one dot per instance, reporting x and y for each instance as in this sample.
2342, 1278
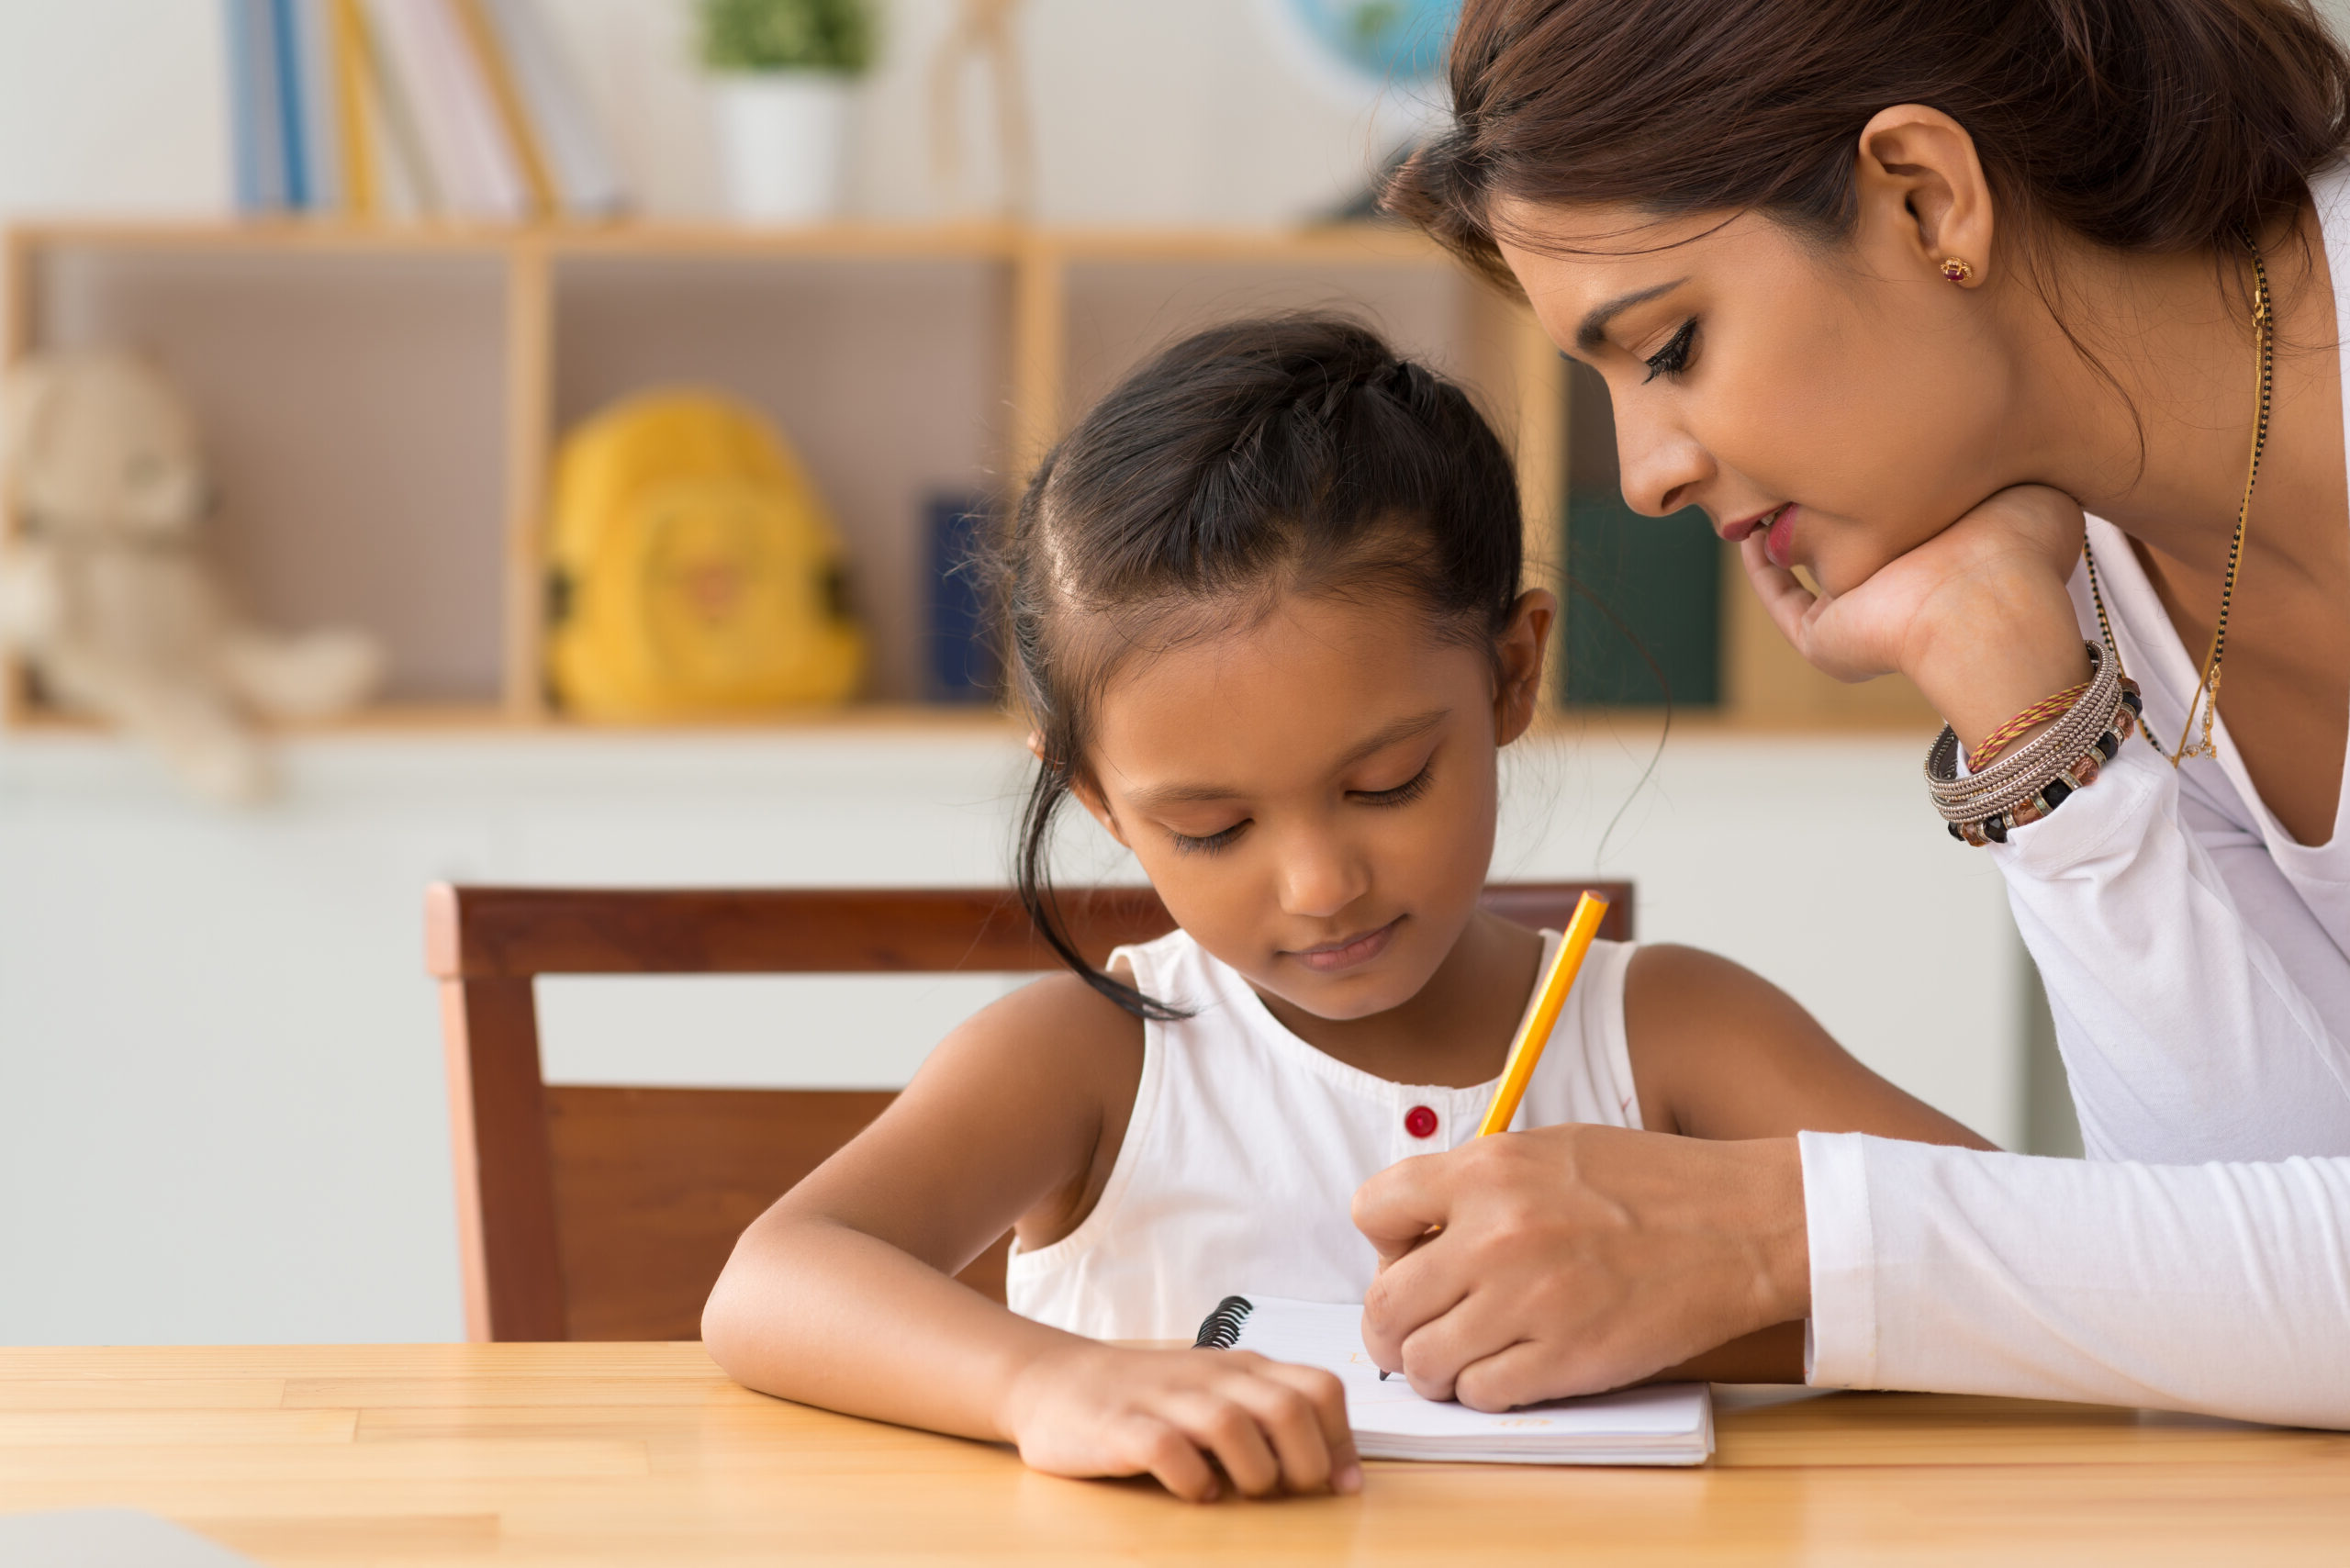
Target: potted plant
785, 69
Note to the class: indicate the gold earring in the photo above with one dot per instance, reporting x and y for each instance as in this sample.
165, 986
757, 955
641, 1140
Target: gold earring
1956, 269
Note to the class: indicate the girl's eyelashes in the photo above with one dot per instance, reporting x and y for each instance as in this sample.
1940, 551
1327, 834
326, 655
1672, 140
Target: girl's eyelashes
1674, 358
1404, 794
1208, 844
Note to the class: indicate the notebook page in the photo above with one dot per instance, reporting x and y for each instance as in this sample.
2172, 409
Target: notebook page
107, 1538
1662, 1422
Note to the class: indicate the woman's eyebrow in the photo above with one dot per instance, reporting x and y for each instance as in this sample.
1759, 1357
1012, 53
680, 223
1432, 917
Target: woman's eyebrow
1593, 329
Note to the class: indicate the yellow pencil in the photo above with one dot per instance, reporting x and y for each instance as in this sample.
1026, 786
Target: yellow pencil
1525, 1051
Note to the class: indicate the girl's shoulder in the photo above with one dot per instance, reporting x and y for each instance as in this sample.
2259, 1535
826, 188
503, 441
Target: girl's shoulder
1055, 1014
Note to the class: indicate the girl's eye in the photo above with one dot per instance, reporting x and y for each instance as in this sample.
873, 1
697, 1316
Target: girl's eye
1674, 358
1404, 794
1187, 844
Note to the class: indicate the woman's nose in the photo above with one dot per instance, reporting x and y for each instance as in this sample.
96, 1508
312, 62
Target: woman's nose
1662, 467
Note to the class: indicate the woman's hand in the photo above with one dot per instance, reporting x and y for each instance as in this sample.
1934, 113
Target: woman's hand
1978, 616
1576, 1259
1095, 1409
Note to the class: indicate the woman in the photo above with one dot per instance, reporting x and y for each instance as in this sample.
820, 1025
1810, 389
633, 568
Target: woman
1896, 290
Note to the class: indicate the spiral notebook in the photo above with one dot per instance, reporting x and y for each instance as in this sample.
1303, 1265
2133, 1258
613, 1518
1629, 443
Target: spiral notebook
1665, 1423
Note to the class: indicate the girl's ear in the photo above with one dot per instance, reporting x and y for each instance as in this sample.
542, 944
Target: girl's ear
1517, 694
1090, 796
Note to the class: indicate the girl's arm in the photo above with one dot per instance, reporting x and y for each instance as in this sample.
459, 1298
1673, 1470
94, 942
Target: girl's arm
1719, 1052
842, 1293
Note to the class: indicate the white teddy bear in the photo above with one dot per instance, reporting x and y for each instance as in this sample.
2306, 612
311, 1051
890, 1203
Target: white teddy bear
106, 591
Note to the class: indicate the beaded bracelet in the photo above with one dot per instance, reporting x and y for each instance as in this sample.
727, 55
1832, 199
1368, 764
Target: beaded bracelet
2077, 775
2028, 785
2031, 718
2018, 775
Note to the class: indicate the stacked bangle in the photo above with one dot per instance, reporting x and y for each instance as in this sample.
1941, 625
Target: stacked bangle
2030, 718
2027, 784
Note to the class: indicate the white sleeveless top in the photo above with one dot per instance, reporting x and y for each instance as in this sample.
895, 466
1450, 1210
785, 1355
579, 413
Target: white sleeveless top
1246, 1145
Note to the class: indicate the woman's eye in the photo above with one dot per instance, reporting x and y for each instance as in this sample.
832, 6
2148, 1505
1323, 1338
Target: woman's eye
1674, 358
1403, 794
1190, 844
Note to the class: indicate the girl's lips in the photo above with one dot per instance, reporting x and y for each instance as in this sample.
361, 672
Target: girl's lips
1333, 958
1779, 543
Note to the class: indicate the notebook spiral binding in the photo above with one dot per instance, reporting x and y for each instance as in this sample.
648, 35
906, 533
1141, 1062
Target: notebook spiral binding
1220, 1329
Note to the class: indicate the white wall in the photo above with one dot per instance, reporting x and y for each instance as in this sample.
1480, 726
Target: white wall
221, 1095
221, 1112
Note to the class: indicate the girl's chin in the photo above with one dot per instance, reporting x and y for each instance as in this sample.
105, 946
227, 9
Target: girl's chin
1342, 999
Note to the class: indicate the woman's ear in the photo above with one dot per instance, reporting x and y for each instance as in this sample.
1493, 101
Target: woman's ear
1922, 200
1517, 694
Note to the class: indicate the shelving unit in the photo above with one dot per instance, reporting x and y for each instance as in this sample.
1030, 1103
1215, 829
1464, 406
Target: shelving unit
379, 406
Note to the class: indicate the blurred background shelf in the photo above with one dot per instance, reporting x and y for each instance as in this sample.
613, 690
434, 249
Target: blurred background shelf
380, 405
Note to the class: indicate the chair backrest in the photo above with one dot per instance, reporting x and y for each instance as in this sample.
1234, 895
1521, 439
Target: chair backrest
596, 1213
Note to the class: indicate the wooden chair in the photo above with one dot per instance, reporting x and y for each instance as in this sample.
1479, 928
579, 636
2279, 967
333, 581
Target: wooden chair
593, 1213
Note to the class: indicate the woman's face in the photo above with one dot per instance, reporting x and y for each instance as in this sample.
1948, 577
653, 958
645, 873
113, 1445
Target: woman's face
1835, 397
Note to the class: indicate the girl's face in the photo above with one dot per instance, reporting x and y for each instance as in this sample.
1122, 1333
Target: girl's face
1313, 795
1847, 403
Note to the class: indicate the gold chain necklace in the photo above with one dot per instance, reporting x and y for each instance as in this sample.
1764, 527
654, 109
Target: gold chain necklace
2207, 690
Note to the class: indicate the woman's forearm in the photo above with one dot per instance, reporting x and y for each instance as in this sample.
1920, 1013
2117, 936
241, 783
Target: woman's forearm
2222, 1289
816, 1311
2192, 987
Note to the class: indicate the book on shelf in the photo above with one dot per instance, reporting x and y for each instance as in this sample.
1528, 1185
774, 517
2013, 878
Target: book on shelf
397, 109
258, 126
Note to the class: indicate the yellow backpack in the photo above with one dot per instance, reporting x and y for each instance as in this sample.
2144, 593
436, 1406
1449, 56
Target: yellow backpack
693, 570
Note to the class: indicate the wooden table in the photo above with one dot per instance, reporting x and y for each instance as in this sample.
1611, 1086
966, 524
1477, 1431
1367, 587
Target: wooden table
647, 1454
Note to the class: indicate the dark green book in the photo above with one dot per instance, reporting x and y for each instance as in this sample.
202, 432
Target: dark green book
1643, 605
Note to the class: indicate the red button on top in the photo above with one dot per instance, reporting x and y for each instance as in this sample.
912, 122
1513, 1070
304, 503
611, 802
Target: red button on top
1420, 1122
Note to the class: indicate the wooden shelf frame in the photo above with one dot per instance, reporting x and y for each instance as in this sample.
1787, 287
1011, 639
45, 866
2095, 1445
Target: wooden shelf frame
1510, 366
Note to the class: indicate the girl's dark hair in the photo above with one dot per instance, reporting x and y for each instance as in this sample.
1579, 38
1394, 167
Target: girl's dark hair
1295, 454
2139, 124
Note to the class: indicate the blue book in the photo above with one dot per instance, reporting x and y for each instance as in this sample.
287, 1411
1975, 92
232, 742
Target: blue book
285, 63
960, 665
256, 119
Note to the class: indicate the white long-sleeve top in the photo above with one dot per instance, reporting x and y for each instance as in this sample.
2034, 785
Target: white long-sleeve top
2198, 962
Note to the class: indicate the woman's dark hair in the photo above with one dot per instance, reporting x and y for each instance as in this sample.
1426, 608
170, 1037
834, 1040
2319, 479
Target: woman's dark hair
1294, 454
2142, 126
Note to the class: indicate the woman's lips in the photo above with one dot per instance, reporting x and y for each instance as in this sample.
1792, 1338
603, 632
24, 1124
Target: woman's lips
1736, 532
1779, 542
1349, 952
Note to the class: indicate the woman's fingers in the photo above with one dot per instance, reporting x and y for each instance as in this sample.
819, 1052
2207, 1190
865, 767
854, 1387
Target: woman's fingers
1517, 1374
1408, 1293
1784, 597
1397, 1208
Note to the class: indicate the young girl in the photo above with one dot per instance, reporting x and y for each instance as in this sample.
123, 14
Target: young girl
1264, 609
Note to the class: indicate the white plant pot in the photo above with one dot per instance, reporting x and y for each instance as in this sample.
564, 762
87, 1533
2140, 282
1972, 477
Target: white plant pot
783, 136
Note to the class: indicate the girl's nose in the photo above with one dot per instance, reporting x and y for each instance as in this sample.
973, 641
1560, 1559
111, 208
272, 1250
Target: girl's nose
1320, 878
1664, 466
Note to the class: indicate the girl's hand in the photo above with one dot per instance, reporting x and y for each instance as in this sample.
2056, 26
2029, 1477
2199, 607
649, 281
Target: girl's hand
1577, 1259
1099, 1409
1978, 616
